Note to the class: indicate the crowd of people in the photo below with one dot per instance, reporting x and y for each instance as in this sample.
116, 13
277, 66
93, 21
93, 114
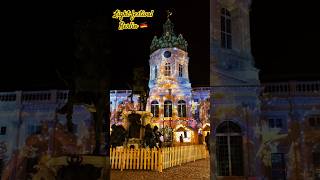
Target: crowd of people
152, 137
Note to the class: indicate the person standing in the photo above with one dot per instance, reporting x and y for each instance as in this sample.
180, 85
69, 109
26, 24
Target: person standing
207, 140
157, 134
181, 139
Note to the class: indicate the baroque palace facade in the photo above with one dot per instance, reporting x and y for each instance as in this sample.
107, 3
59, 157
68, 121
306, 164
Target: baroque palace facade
263, 131
258, 130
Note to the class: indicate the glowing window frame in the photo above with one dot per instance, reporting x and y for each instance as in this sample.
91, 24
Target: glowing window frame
182, 108
167, 108
226, 32
155, 108
167, 69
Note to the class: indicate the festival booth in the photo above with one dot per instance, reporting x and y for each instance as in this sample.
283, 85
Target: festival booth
205, 129
188, 135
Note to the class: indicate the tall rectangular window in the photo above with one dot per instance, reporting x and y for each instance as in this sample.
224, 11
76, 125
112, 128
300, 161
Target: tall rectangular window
226, 37
3, 130
167, 108
155, 108
182, 110
314, 121
180, 70
167, 69
316, 159
278, 170
155, 72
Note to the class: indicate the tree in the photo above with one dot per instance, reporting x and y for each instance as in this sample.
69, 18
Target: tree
89, 80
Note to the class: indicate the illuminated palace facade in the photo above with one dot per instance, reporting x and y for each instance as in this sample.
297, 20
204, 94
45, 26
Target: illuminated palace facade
172, 101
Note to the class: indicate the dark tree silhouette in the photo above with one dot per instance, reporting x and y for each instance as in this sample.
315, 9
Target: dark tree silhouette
148, 137
118, 135
83, 171
88, 81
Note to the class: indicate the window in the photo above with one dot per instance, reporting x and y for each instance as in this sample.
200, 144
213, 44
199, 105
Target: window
167, 54
275, 123
316, 159
167, 69
316, 162
34, 129
182, 112
229, 150
167, 108
155, 108
180, 70
278, 170
3, 130
155, 72
226, 38
314, 121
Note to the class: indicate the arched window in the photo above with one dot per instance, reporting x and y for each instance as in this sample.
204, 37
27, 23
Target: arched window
226, 38
167, 108
167, 69
182, 112
229, 149
180, 70
155, 108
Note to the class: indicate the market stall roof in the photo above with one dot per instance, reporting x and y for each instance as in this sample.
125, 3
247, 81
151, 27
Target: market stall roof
180, 129
206, 128
183, 128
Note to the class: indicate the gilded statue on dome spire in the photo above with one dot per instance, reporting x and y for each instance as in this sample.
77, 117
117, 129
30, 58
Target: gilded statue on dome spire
168, 25
169, 13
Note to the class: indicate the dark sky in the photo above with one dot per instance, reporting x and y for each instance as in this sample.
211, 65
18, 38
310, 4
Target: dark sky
37, 39
285, 36
191, 20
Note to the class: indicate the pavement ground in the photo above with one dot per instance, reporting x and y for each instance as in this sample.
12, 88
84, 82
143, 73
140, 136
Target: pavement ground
199, 169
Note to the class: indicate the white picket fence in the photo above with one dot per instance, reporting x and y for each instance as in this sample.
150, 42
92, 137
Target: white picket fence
155, 159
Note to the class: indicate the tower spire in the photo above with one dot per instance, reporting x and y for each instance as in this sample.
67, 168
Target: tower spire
168, 25
168, 39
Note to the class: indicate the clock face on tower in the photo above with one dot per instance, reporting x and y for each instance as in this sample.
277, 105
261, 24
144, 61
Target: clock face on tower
167, 54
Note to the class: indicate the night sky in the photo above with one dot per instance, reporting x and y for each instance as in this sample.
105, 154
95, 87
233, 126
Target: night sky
285, 37
35, 41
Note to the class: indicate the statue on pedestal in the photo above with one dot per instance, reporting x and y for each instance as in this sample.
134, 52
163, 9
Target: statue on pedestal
134, 125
